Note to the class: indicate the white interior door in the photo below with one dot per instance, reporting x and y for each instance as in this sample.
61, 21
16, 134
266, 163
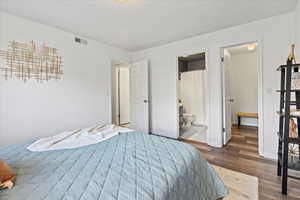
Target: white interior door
139, 96
227, 99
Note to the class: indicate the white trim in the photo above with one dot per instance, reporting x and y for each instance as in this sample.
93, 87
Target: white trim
114, 65
270, 156
176, 98
260, 99
188, 53
223, 82
260, 90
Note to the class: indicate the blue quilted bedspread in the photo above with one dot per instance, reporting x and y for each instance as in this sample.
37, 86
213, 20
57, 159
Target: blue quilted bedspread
131, 166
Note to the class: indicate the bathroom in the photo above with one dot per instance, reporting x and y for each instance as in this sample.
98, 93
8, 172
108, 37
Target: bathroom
192, 97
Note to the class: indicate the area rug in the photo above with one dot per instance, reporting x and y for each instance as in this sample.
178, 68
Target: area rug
241, 186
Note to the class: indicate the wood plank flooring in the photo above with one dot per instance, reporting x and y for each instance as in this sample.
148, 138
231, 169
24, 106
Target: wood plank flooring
241, 155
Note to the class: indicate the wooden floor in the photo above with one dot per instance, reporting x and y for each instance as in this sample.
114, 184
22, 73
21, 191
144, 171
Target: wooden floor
241, 154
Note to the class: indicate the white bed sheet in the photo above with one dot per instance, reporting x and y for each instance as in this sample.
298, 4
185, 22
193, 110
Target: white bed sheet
77, 138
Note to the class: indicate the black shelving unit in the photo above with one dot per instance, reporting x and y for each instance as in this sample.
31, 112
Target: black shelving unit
285, 161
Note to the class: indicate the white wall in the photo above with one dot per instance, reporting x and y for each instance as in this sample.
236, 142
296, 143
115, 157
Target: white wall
243, 71
297, 32
274, 35
82, 98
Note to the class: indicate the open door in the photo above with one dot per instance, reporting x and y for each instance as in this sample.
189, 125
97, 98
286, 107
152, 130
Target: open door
139, 96
227, 99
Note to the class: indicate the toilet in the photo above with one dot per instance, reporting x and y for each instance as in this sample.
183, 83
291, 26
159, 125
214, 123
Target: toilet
188, 119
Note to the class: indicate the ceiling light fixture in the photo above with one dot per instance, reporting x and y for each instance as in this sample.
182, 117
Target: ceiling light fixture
251, 47
121, 1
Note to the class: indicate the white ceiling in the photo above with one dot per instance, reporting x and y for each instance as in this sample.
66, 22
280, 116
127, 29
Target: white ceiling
140, 24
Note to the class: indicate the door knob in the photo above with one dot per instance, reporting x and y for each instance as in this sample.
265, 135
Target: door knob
145, 101
231, 100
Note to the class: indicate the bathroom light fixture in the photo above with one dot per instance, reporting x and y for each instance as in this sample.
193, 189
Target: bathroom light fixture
251, 47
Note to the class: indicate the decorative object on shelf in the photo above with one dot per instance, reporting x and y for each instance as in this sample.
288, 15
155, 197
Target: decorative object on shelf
293, 148
26, 61
295, 74
293, 129
295, 80
292, 58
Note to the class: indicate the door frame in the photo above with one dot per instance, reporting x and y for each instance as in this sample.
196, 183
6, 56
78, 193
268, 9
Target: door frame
114, 66
207, 111
260, 100
224, 103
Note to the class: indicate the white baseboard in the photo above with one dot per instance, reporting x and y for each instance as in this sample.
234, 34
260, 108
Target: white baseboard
272, 156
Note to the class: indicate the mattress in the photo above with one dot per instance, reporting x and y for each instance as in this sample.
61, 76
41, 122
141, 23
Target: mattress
130, 166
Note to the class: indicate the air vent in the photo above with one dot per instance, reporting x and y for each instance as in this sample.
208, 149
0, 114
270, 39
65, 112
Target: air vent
81, 41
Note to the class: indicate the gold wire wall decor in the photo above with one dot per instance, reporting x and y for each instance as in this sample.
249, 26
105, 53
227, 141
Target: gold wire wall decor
26, 61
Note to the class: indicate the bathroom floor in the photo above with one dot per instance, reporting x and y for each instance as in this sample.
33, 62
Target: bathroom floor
197, 133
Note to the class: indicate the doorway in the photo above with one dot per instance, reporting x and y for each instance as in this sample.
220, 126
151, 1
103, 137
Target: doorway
121, 95
191, 97
241, 91
130, 95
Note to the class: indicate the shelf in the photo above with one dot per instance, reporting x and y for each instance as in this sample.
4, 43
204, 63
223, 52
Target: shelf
294, 103
293, 162
285, 66
287, 105
290, 140
294, 113
295, 90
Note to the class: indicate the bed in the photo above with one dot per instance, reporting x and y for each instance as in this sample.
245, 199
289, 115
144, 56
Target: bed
130, 166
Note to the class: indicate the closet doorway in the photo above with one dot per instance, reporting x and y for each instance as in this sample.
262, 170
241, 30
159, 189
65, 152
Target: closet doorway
241, 96
191, 97
121, 94
130, 95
